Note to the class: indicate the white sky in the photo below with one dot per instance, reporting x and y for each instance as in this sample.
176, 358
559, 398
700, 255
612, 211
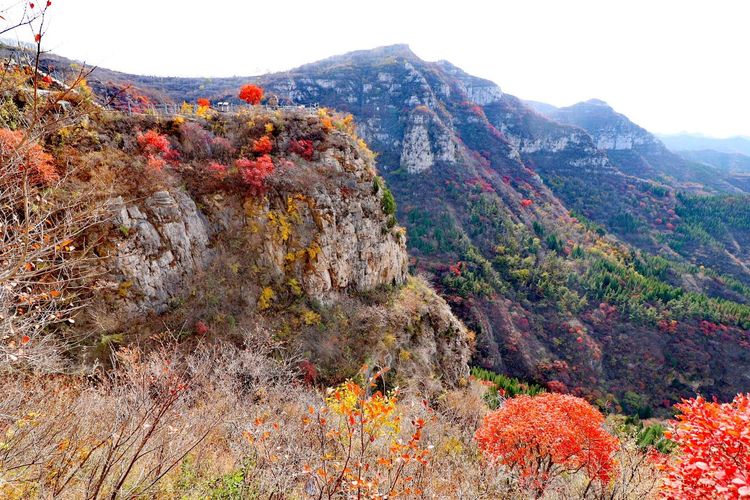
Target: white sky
670, 66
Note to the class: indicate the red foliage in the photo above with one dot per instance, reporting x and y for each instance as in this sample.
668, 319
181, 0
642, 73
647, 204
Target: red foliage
34, 160
302, 147
668, 325
201, 328
157, 149
152, 142
526, 203
546, 436
557, 386
263, 145
204, 103
714, 450
251, 94
309, 372
218, 170
254, 172
456, 268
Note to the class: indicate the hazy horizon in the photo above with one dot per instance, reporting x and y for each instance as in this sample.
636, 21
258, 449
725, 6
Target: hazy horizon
671, 67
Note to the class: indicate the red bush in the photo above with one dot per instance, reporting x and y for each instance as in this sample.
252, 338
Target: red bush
204, 103
263, 145
152, 142
254, 172
526, 203
251, 94
218, 170
157, 149
302, 147
546, 436
32, 157
713, 460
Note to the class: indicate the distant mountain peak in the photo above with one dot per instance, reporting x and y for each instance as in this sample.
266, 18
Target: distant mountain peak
400, 50
594, 102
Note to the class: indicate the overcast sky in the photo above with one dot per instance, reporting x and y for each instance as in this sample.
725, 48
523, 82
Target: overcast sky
670, 66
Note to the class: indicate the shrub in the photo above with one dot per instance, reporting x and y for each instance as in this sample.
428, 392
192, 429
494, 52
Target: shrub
388, 202
32, 157
251, 94
302, 147
547, 436
360, 453
254, 172
263, 145
713, 442
157, 149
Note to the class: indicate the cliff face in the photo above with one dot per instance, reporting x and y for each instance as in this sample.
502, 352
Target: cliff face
634, 150
315, 256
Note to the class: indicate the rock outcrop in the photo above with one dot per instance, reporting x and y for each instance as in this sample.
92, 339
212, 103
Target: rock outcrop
317, 237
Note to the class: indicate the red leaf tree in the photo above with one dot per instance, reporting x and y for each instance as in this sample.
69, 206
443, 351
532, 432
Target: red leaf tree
546, 436
251, 94
713, 456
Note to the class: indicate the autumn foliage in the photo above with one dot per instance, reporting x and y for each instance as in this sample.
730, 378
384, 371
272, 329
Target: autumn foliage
204, 103
546, 436
254, 172
156, 148
360, 449
251, 94
302, 147
263, 145
33, 159
713, 457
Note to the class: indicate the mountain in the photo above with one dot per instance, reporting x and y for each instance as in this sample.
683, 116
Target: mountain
689, 142
563, 250
634, 150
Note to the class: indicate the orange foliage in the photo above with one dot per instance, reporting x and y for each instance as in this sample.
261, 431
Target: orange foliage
713, 458
546, 436
33, 159
251, 94
263, 145
204, 103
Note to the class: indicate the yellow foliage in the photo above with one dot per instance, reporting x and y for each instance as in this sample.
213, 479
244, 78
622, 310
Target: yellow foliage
295, 287
280, 222
203, 112
269, 128
186, 109
389, 340
404, 355
291, 207
312, 252
310, 317
377, 412
266, 298
452, 446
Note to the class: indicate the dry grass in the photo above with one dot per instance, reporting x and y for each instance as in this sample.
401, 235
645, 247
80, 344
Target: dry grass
229, 422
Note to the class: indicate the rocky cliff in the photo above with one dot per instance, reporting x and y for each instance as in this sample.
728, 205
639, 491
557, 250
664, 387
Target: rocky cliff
313, 255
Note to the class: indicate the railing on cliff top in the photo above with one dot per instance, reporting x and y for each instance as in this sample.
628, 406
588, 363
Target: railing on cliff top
169, 109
